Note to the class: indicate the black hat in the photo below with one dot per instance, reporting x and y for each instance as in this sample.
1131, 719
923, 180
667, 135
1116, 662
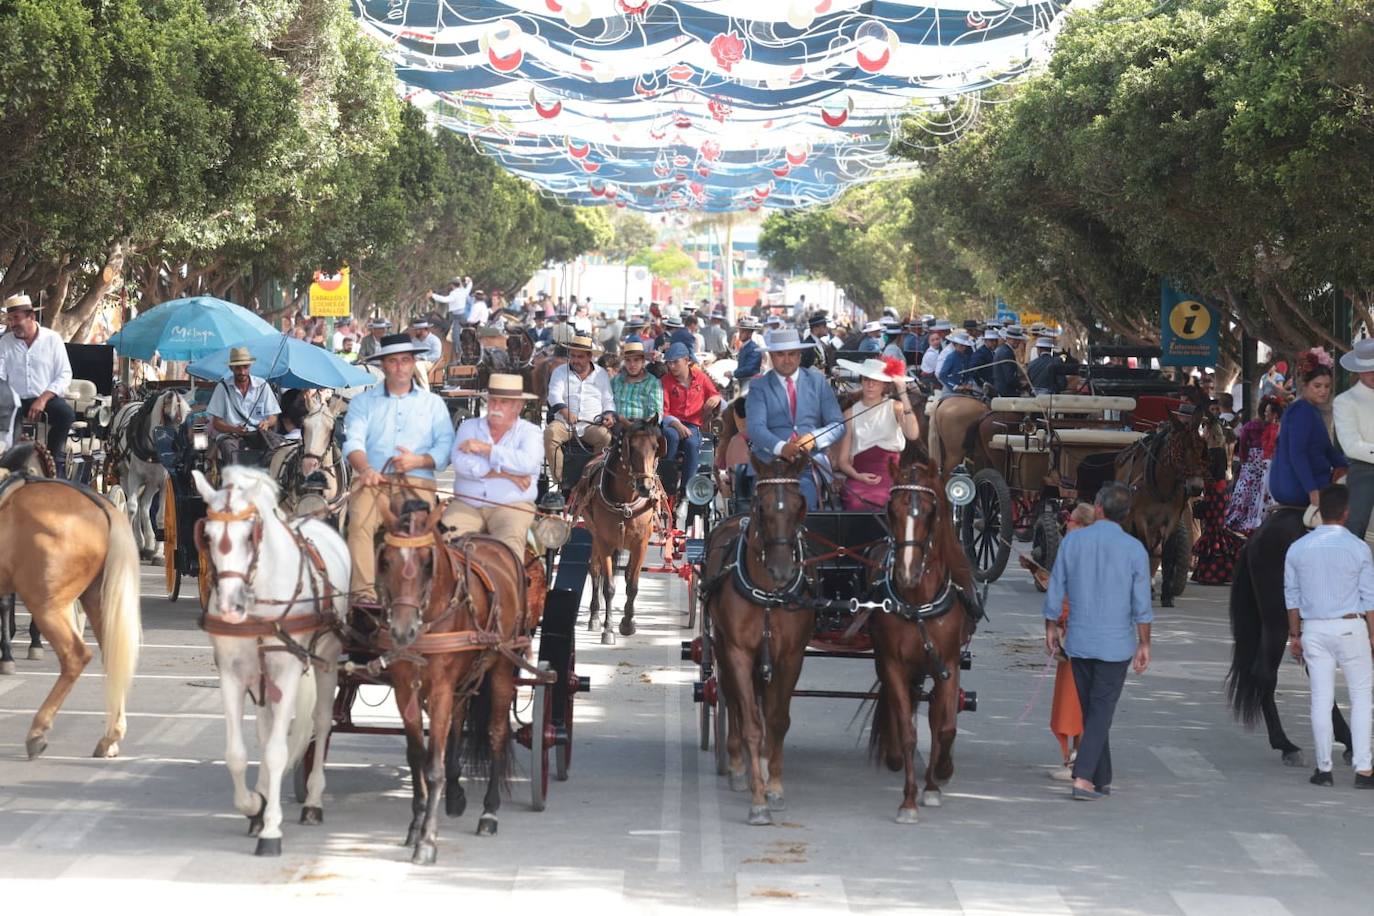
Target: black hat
818, 318
393, 344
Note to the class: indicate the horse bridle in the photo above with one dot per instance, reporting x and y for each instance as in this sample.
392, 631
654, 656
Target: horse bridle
798, 554
622, 455
247, 513
410, 570
913, 511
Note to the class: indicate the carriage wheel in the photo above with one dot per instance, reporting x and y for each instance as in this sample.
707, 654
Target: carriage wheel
203, 580
169, 540
563, 752
540, 723
1045, 538
705, 709
1178, 556
985, 526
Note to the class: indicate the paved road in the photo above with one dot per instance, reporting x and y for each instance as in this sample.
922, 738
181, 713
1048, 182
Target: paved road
1205, 820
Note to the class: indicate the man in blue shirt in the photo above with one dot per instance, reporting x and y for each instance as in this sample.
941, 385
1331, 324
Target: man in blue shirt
953, 366
1006, 374
873, 338
983, 356
749, 360
1104, 573
393, 427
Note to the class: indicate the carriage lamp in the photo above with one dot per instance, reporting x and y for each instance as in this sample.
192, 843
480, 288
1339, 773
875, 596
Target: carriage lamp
960, 489
551, 531
701, 489
200, 441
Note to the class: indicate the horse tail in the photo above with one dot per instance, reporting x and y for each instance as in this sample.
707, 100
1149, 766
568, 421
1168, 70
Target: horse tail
121, 628
474, 748
302, 727
1245, 689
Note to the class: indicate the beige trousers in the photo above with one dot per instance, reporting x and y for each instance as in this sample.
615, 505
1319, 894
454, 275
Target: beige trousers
508, 524
557, 433
364, 522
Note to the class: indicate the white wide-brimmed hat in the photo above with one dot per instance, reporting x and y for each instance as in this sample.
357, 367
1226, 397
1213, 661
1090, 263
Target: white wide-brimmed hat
502, 385
872, 326
960, 337
992, 334
784, 339
749, 323
876, 369
1044, 343
1361, 358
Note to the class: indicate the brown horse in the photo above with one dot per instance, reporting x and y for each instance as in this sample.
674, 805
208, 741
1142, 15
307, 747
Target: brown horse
458, 620
962, 428
1165, 471
926, 581
756, 595
65, 543
618, 498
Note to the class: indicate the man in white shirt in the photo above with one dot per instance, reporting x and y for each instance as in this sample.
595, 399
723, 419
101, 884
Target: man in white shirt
243, 410
33, 360
456, 297
421, 333
479, 313
1354, 415
1328, 588
583, 406
495, 464
342, 328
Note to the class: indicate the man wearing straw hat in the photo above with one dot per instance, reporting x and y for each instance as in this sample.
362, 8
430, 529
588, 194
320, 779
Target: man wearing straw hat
243, 409
1353, 411
33, 360
583, 406
397, 427
496, 461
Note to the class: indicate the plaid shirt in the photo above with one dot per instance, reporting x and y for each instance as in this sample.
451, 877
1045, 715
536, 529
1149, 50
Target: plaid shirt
637, 400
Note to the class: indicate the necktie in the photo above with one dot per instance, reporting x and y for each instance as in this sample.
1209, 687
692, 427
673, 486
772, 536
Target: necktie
792, 397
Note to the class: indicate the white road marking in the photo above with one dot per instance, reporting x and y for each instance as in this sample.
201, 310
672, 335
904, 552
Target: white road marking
1186, 763
9, 683
985, 898
1277, 854
1228, 905
63, 827
148, 868
670, 819
757, 892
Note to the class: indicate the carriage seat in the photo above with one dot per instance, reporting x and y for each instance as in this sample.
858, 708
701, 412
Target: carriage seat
82, 396
1066, 403
1107, 437
1036, 442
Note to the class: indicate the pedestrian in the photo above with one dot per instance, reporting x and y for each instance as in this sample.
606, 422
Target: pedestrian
1254, 451
1328, 588
1354, 414
1104, 574
1304, 458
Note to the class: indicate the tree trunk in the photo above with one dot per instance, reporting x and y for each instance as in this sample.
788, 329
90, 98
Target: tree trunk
74, 324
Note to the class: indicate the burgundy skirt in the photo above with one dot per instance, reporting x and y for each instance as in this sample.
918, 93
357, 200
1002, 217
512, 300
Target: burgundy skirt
869, 497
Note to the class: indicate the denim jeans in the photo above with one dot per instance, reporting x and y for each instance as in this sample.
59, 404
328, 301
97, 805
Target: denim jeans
690, 446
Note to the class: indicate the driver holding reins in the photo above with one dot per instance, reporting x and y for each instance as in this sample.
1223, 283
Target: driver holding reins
583, 406
33, 360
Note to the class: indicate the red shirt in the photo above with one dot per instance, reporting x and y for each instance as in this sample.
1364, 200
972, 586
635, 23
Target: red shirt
685, 401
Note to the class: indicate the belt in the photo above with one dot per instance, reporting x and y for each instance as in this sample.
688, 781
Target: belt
1341, 617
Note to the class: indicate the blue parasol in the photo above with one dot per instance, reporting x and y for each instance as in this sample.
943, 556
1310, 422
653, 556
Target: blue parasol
188, 328
289, 362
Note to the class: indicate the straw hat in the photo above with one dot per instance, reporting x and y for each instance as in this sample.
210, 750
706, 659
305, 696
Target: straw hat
582, 343
503, 385
19, 302
239, 356
632, 348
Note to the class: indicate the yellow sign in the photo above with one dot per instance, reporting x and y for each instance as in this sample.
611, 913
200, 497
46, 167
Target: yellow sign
1190, 320
1030, 318
329, 295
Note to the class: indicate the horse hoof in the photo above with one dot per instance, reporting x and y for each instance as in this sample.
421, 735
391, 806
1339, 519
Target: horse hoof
486, 826
413, 837
268, 847
607, 638
775, 801
627, 626
106, 748
427, 853
907, 816
739, 782
1294, 759
36, 653
931, 798
759, 816
312, 816
7, 668
592, 621
255, 820
36, 745
455, 800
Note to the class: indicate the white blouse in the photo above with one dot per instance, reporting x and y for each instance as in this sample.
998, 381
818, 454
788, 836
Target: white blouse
878, 427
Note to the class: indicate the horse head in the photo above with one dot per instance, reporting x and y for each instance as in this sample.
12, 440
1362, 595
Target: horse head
317, 430
778, 514
1185, 454
231, 534
914, 512
639, 446
172, 409
407, 566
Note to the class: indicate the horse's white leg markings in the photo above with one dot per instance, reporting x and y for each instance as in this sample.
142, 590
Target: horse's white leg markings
232, 692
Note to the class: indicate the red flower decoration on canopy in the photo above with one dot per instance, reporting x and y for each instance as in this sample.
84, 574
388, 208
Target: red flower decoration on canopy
728, 50
719, 110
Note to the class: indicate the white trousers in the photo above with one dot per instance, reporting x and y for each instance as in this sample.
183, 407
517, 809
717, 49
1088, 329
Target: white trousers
1326, 644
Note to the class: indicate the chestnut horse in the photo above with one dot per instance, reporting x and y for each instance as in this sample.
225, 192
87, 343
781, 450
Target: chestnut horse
458, 619
931, 614
65, 543
619, 497
757, 597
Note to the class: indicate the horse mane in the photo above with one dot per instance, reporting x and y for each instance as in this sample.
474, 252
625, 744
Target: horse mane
255, 484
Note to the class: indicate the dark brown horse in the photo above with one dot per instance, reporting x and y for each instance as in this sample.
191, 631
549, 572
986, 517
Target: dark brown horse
756, 594
619, 497
1165, 471
458, 619
925, 578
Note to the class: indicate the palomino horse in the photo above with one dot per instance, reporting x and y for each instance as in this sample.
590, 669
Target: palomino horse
32, 459
619, 497
134, 454
961, 427
279, 592
757, 595
926, 583
65, 543
458, 624
1259, 628
1165, 471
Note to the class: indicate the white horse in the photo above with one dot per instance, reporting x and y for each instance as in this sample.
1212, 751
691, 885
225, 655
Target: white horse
140, 475
265, 582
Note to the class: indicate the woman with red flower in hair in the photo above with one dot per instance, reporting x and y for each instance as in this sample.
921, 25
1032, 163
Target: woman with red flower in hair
877, 428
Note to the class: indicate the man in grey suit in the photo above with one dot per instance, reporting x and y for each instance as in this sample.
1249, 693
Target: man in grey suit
791, 410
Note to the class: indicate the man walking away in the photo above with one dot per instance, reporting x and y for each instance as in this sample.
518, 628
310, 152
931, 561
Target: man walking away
1328, 587
1105, 574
